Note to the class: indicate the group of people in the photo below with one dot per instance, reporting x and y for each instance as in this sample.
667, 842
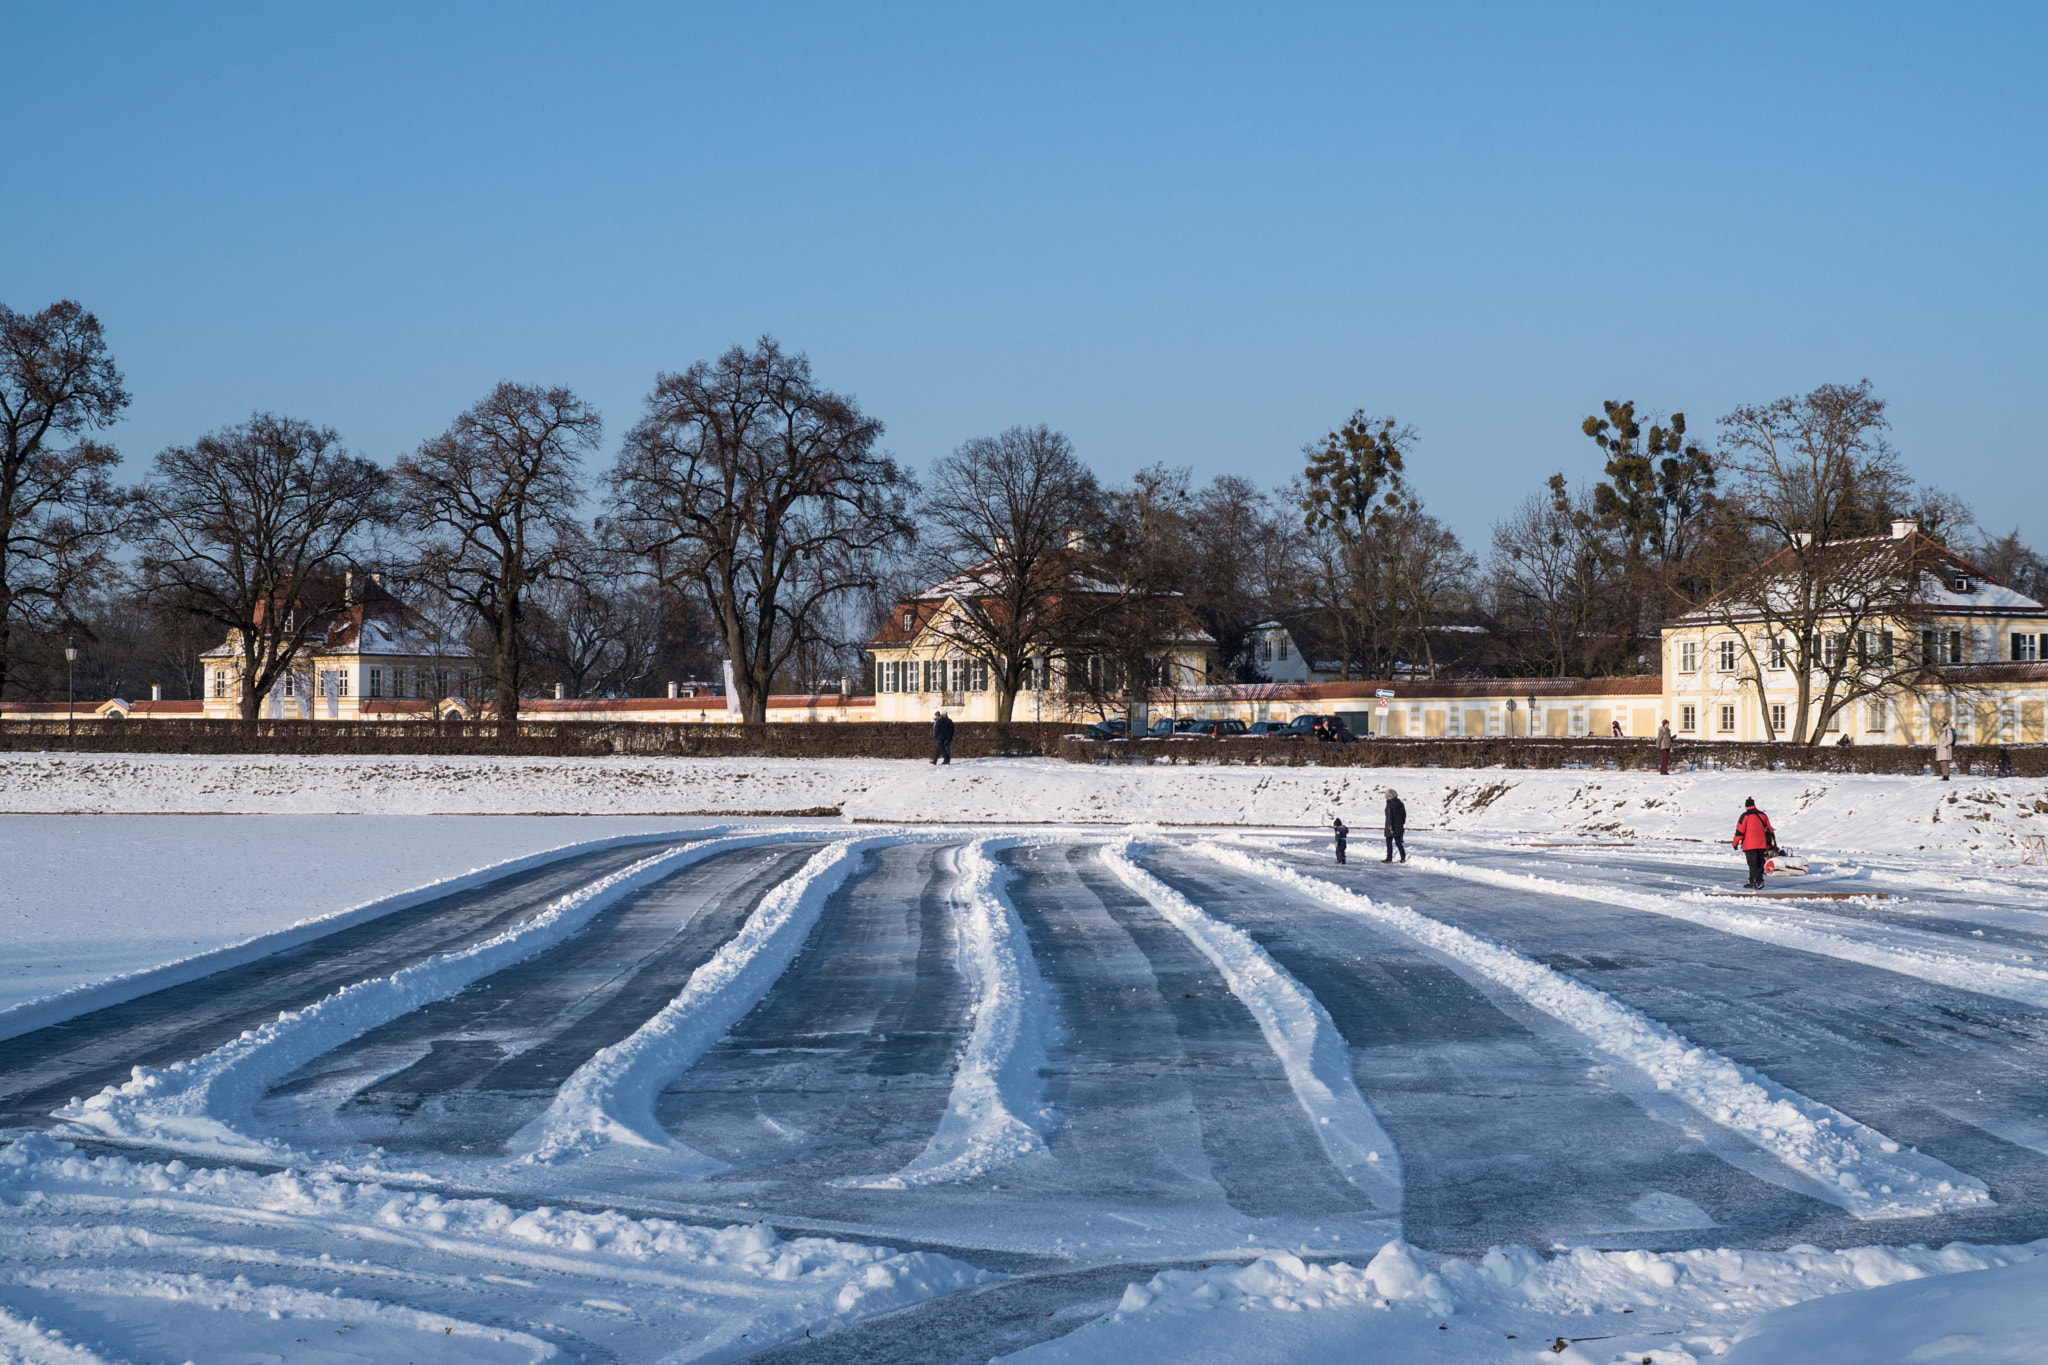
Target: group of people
1395, 828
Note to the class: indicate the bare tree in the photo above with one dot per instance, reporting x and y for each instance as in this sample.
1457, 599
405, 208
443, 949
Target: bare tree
59, 510
250, 527
1550, 580
1810, 578
1237, 547
763, 493
998, 524
2014, 563
493, 499
1135, 618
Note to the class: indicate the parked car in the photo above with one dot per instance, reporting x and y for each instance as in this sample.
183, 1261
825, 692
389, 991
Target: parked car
1213, 729
1116, 727
1270, 729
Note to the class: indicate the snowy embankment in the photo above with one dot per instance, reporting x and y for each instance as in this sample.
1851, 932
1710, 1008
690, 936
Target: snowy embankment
1812, 810
205, 1103
1848, 1163
1584, 1307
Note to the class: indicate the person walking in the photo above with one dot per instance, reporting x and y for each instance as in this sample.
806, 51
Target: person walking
942, 737
1396, 827
1944, 748
1664, 747
1755, 837
1615, 728
1343, 832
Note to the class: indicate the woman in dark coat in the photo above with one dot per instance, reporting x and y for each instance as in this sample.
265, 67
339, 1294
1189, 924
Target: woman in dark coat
1397, 825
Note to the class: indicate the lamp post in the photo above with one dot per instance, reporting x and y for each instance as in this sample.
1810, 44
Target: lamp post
70, 696
1529, 726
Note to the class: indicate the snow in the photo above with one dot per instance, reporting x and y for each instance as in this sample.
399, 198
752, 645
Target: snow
610, 1098
1297, 1027
1513, 1304
654, 1287
207, 1102
85, 902
1848, 1163
355, 1254
1978, 820
996, 1112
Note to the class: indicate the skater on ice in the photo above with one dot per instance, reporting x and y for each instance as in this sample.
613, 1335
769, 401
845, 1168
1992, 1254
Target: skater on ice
1397, 824
1755, 837
1343, 832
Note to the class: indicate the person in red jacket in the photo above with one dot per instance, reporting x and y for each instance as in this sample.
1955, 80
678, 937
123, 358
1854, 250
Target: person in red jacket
1755, 837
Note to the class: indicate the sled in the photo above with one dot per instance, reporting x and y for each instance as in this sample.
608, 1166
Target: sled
1785, 864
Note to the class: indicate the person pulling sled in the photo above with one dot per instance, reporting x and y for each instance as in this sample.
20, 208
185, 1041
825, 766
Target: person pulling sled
1757, 840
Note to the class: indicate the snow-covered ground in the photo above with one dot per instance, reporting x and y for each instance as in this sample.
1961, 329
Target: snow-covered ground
820, 1090
1981, 820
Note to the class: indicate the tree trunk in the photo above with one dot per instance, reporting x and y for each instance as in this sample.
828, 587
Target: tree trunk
508, 677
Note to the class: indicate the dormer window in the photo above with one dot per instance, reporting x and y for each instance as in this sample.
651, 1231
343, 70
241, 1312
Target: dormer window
909, 620
1963, 583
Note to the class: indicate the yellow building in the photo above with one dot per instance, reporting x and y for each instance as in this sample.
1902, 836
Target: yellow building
1920, 637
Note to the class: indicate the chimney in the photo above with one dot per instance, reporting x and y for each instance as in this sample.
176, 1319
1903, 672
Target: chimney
561, 691
846, 687
1905, 527
378, 578
348, 586
1802, 538
156, 691
671, 691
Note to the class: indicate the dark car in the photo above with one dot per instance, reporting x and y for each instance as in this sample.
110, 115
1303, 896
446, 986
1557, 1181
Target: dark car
1213, 729
1270, 729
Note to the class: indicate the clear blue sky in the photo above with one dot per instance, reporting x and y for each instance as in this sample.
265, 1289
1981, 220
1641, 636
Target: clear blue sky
1201, 235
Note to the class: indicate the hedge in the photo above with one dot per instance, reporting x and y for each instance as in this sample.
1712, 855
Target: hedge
535, 739
1632, 755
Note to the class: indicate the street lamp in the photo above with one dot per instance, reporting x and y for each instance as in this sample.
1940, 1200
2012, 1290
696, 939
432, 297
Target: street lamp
1529, 726
70, 696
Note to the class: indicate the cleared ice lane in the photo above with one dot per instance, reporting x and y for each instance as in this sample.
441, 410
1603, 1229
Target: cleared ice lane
1961, 1076
845, 1066
461, 1075
1508, 1131
41, 1070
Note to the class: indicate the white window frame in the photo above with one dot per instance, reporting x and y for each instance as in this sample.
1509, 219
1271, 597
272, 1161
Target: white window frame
377, 682
1688, 719
1778, 718
1725, 655
1726, 719
1876, 716
1688, 656
2026, 646
1778, 654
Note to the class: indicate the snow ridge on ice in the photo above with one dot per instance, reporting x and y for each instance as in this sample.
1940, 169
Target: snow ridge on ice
1299, 1030
206, 1103
1965, 971
996, 1113
610, 1098
1851, 1164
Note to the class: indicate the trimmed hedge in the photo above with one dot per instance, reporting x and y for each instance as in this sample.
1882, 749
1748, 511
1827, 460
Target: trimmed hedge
1633, 755
535, 739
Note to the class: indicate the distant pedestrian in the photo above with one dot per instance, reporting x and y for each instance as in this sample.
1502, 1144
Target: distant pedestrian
1944, 748
1755, 837
1343, 832
1664, 746
1396, 827
1614, 728
942, 737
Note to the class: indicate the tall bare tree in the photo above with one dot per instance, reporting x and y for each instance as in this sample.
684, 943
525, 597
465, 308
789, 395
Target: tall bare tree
763, 493
493, 500
59, 510
997, 524
1809, 577
1551, 583
250, 528
1238, 547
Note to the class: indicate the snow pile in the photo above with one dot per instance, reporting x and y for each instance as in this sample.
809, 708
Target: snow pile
742, 1285
1582, 1306
1881, 947
1298, 1029
996, 1113
204, 1103
610, 1098
1849, 1163
25, 1341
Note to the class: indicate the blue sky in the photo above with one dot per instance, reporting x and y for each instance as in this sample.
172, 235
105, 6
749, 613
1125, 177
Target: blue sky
1192, 234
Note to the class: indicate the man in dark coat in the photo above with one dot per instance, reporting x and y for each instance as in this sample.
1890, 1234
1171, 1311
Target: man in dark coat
1397, 825
1343, 832
1755, 837
942, 736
